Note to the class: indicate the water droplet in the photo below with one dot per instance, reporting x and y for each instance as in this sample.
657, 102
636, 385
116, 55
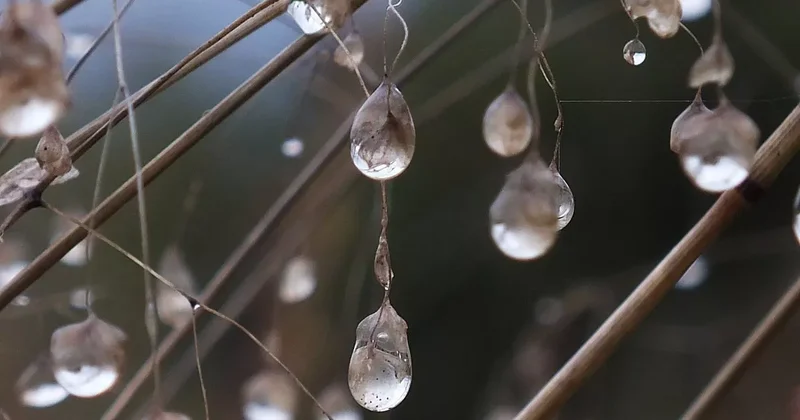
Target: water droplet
10, 270
299, 280
292, 147
77, 44
337, 401
37, 387
21, 300
379, 375
695, 109
719, 148
77, 298
333, 11
714, 66
694, 276
383, 134
524, 216
634, 52
566, 201
269, 396
354, 44
173, 308
695, 9
508, 124
87, 356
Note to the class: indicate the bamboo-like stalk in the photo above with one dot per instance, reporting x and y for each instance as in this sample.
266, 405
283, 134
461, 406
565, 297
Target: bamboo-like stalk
772, 157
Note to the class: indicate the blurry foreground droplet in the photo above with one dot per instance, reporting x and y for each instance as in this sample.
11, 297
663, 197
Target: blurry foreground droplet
333, 11
695, 9
379, 375
173, 307
566, 200
524, 216
355, 45
37, 387
269, 396
634, 52
383, 135
502, 413
694, 276
299, 280
508, 124
292, 147
336, 400
714, 66
78, 298
87, 356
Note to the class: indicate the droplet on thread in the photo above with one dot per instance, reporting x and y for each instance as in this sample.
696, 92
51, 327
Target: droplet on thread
566, 200
508, 124
634, 52
696, 109
173, 307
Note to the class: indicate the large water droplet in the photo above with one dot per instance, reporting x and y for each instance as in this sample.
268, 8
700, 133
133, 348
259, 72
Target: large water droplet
508, 124
714, 66
634, 52
354, 44
269, 396
333, 11
37, 387
566, 200
173, 308
524, 216
383, 135
87, 356
299, 281
379, 375
696, 109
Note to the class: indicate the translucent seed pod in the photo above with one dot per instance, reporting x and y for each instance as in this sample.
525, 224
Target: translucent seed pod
37, 387
52, 152
508, 124
334, 13
714, 66
337, 401
566, 200
269, 396
379, 375
719, 148
383, 135
634, 52
88, 356
173, 308
354, 44
696, 109
166, 415
524, 216
797, 216
299, 280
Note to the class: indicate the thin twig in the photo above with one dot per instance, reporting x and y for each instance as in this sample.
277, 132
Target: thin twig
199, 363
771, 158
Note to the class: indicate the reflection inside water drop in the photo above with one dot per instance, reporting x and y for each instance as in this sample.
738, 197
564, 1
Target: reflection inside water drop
715, 175
634, 52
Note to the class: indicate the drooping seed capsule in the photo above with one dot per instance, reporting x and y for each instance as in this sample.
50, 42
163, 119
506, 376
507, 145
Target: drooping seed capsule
269, 396
797, 216
334, 13
299, 280
87, 357
524, 216
566, 200
37, 387
25, 176
508, 124
173, 308
714, 66
355, 45
166, 415
719, 148
379, 375
634, 52
52, 152
696, 109
336, 400
383, 135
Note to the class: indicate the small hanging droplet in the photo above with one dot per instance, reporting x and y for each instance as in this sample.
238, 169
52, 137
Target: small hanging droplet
566, 201
333, 11
719, 148
37, 387
696, 109
524, 216
299, 280
77, 298
87, 356
269, 396
634, 52
383, 135
337, 401
508, 124
379, 375
173, 308
166, 415
714, 66
354, 44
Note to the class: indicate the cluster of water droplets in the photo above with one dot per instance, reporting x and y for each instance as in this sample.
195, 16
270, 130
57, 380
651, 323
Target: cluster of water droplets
330, 12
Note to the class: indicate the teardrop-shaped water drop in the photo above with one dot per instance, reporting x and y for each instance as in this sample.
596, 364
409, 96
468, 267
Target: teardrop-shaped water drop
634, 52
299, 280
355, 45
334, 13
379, 375
173, 308
714, 66
383, 135
37, 387
719, 148
566, 200
696, 109
269, 395
508, 124
87, 356
524, 216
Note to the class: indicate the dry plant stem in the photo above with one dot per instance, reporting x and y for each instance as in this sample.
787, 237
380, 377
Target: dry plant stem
192, 300
523, 19
5, 147
198, 363
746, 354
771, 158
393, 8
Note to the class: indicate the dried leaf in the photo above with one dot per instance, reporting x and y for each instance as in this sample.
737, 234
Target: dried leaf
24, 177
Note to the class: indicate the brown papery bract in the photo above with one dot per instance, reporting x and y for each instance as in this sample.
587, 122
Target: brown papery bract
714, 66
52, 152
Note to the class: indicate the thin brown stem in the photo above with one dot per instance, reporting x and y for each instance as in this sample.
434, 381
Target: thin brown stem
523, 20
771, 158
4, 148
199, 364
96, 43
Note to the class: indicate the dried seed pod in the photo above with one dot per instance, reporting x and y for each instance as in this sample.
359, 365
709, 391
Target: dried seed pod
714, 66
88, 356
299, 280
524, 216
696, 109
719, 148
37, 387
24, 177
173, 308
663, 16
382, 136
52, 152
634, 52
379, 375
334, 13
269, 396
508, 124
566, 200
354, 44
